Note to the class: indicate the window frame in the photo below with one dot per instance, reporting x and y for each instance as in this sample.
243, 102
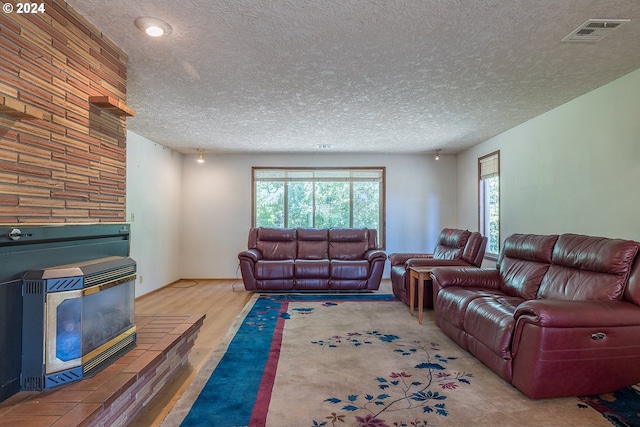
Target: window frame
482, 201
382, 192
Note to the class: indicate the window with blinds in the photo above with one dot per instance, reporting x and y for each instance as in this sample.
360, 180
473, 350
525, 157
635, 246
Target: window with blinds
319, 198
489, 166
489, 201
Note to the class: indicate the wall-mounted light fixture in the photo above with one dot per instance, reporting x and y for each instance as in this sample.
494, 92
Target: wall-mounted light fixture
437, 156
153, 27
200, 156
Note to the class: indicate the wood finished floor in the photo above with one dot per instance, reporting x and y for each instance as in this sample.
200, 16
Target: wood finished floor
221, 300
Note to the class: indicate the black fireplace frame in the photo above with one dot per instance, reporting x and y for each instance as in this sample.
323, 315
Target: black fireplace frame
41, 367
26, 247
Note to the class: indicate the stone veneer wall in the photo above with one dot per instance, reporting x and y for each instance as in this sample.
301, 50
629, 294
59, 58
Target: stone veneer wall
62, 159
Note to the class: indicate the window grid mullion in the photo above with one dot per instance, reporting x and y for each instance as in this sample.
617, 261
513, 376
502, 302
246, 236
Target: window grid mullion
286, 205
351, 204
313, 205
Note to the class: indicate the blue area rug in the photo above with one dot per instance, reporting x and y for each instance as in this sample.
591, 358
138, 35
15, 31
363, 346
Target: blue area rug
355, 360
621, 408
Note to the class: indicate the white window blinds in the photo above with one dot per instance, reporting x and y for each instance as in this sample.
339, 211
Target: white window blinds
489, 166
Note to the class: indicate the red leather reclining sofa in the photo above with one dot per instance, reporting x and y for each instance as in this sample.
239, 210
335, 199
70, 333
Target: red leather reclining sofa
559, 316
306, 259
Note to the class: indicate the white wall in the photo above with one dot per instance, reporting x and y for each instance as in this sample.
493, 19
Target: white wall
217, 204
154, 208
574, 169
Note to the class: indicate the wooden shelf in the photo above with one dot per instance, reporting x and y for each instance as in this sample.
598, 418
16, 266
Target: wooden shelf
111, 105
19, 110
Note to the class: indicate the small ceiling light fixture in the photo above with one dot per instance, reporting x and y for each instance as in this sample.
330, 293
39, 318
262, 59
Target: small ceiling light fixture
200, 156
153, 27
437, 156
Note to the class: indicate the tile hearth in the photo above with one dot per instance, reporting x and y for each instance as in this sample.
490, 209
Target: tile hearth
115, 395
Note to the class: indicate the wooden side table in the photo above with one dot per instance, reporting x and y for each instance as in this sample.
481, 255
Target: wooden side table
421, 276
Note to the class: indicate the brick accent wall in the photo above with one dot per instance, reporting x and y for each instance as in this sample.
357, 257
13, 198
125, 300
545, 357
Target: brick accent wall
62, 159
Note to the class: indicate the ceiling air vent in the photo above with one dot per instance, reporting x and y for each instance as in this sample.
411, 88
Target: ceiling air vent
594, 30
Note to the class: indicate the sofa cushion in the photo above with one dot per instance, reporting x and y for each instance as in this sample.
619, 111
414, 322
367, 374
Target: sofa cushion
489, 323
345, 269
490, 320
348, 244
312, 269
531, 247
280, 269
452, 302
524, 260
313, 243
471, 248
276, 243
588, 268
451, 243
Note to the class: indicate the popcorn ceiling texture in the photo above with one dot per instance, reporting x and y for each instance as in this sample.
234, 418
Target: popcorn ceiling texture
401, 76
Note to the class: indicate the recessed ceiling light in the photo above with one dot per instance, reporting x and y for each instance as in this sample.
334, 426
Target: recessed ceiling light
153, 27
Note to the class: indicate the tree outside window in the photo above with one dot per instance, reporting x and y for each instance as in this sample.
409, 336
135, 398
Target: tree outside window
489, 201
319, 198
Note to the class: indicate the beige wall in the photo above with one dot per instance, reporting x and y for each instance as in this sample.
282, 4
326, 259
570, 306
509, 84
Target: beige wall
154, 208
574, 169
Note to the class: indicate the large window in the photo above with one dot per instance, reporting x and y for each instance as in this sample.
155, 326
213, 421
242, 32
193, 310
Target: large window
489, 201
319, 198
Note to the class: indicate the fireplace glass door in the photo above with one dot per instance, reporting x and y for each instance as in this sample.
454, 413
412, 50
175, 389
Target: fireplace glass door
81, 323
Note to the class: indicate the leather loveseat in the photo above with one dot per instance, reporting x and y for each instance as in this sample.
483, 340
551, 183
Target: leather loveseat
559, 316
455, 247
306, 259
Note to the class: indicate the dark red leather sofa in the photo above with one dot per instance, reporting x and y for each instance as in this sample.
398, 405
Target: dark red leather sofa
305, 259
559, 316
455, 247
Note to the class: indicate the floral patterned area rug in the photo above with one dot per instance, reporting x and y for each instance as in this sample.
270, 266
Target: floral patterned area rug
354, 360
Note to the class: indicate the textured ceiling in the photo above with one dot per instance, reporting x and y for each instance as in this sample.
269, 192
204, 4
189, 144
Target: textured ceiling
363, 76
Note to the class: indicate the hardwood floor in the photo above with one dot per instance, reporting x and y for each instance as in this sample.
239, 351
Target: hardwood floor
221, 300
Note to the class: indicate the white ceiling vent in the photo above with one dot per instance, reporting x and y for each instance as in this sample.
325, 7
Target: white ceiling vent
594, 30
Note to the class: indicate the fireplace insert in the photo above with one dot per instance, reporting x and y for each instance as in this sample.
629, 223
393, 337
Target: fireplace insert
77, 318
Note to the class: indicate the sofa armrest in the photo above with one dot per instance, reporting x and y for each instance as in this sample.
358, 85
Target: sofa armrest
250, 254
466, 277
401, 258
374, 254
568, 314
248, 261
